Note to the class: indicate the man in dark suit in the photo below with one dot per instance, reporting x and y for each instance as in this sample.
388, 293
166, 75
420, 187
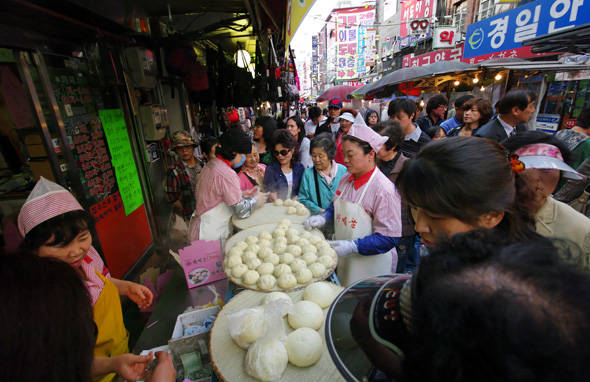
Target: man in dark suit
514, 110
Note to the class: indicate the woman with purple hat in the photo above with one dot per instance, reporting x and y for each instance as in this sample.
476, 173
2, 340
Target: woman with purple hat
366, 210
541, 160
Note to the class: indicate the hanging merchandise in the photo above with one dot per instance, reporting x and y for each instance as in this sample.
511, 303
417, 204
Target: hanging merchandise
196, 79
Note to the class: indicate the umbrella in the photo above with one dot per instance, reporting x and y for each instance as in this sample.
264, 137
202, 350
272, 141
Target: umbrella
397, 77
448, 67
339, 91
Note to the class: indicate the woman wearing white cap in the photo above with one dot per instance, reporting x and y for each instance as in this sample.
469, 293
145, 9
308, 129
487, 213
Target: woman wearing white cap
366, 211
541, 160
55, 225
346, 120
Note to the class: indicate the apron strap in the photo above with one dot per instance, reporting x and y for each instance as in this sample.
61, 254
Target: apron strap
375, 169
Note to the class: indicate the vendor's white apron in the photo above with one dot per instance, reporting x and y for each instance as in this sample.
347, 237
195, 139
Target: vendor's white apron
356, 267
215, 224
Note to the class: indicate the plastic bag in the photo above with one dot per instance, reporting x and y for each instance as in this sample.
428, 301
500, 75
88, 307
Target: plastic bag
267, 358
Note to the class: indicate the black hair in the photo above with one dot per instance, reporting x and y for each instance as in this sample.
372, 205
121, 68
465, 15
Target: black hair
63, 228
584, 118
432, 130
301, 127
465, 178
363, 145
515, 98
207, 144
46, 325
436, 101
401, 104
269, 126
325, 142
369, 113
486, 311
284, 138
234, 141
461, 100
393, 131
314, 112
325, 111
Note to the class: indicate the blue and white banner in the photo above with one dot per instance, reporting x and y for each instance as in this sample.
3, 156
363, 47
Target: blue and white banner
509, 29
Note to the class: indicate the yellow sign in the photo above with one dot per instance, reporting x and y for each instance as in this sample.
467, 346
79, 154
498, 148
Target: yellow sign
296, 11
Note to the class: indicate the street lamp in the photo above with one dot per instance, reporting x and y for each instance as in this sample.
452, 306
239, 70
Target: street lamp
498, 77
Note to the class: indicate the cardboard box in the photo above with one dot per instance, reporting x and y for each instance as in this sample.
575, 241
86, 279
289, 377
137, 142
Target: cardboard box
42, 168
197, 316
33, 139
36, 151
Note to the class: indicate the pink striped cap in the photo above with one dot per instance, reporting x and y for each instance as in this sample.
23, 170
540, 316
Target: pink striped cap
47, 200
365, 133
548, 157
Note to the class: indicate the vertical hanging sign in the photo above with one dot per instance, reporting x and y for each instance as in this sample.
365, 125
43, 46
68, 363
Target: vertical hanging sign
115, 130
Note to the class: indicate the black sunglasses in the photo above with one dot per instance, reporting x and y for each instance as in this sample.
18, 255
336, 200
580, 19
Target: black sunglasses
282, 152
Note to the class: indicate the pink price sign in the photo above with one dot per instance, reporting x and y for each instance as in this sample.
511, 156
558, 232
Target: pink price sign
432, 57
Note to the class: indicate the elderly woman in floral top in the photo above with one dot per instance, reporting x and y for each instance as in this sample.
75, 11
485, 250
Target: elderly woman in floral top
252, 172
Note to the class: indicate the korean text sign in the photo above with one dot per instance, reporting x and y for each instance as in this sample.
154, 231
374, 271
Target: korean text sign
352, 49
432, 57
115, 129
509, 29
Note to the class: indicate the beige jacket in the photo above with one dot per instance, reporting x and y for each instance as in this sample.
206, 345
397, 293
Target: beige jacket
560, 221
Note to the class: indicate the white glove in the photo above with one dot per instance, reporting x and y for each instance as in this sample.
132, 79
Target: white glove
315, 221
343, 247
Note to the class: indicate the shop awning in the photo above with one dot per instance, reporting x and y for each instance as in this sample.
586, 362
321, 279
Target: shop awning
575, 40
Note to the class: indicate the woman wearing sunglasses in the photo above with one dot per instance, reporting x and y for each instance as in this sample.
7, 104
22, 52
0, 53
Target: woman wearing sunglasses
283, 177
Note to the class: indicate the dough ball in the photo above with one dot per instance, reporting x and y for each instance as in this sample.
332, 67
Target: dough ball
296, 204
248, 255
267, 282
232, 261
280, 247
291, 211
278, 233
264, 235
272, 258
309, 248
251, 240
305, 235
304, 347
265, 243
303, 275
272, 296
281, 239
292, 239
280, 269
314, 239
287, 281
292, 232
286, 258
254, 248
306, 314
239, 270
283, 227
266, 360
309, 258
322, 293
286, 222
250, 277
242, 245
294, 249
253, 263
297, 265
301, 211
288, 203
327, 252
327, 261
265, 269
249, 326
303, 242
265, 252
322, 244
318, 269
278, 202
236, 251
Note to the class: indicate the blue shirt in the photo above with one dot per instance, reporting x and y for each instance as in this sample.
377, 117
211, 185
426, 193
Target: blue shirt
450, 124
